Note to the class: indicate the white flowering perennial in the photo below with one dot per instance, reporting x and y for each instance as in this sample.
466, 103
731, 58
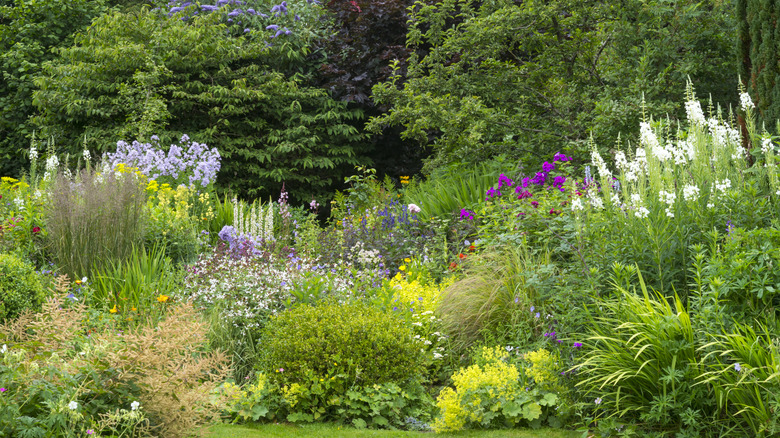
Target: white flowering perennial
690, 193
723, 185
668, 198
745, 102
641, 212
576, 205
766, 145
694, 113
595, 200
604, 171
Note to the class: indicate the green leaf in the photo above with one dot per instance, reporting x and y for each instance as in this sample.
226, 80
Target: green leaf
532, 411
549, 399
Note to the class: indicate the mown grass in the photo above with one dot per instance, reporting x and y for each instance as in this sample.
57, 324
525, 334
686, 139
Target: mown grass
336, 431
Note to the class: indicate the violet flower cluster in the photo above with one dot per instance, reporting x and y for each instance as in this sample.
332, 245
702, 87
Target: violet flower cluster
539, 179
193, 161
243, 14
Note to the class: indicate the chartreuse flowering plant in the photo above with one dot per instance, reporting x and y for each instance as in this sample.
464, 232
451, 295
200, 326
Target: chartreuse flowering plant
497, 391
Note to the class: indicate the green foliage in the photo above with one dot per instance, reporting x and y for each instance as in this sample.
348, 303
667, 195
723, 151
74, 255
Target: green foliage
145, 73
22, 228
744, 369
385, 405
449, 190
744, 266
361, 342
21, 287
641, 363
29, 30
94, 220
134, 283
528, 78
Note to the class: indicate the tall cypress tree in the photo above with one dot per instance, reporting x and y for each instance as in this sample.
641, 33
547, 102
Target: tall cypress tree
758, 40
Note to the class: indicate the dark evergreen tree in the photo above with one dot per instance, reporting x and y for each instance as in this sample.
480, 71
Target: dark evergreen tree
759, 36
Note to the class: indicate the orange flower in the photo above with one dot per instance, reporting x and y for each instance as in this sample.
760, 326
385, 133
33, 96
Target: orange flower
472, 248
453, 266
462, 256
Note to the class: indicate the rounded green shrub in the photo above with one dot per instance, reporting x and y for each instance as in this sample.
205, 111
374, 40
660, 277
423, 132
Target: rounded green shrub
356, 342
20, 287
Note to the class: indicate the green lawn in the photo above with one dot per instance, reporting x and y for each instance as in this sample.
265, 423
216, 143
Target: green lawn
335, 431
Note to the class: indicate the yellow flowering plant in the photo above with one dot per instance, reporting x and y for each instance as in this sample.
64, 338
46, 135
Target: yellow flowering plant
493, 392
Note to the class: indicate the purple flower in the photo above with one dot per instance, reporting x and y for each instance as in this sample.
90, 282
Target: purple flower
523, 193
539, 179
548, 167
577, 344
504, 180
227, 234
209, 8
279, 9
561, 157
202, 162
737, 367
271, 27
559, 181
466, 215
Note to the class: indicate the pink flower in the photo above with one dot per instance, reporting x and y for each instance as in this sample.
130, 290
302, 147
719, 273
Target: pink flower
90, 431
3, 390
36, 229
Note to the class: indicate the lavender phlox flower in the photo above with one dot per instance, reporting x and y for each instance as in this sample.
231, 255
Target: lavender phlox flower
560, 157
559, 181
548, 167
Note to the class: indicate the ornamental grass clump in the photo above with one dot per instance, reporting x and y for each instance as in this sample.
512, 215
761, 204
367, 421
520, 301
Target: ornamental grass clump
641, 364
94, 219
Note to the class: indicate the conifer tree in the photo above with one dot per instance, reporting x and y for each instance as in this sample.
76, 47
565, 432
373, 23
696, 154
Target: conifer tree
758, 37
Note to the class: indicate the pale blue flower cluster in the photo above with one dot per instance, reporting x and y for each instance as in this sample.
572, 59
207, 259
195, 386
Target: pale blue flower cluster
188, 162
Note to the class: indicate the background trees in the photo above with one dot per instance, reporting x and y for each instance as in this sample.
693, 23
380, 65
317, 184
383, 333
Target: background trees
528, 78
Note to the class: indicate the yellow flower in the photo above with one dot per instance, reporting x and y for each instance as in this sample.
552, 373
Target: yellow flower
404, 180
402, 268
133, 309
78, 281
113, 309
408, 260
163, 298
